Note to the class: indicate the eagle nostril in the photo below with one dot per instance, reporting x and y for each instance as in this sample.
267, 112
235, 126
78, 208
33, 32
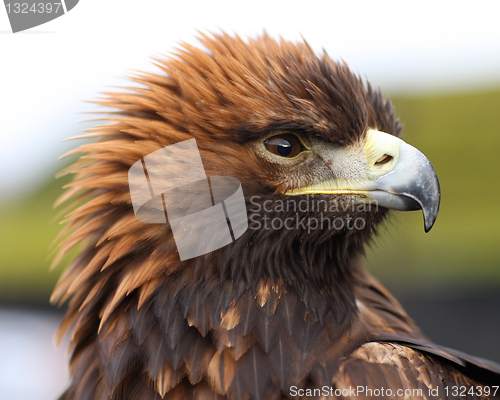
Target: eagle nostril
386, 158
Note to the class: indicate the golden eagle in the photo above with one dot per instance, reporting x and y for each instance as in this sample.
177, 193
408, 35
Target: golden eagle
284, 311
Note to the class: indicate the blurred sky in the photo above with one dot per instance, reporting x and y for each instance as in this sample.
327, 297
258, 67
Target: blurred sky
47, 72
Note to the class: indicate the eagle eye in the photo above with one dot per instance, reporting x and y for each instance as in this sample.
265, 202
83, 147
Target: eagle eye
284, 145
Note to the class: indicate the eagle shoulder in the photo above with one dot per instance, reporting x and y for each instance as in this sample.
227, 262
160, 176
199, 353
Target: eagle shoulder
379, 369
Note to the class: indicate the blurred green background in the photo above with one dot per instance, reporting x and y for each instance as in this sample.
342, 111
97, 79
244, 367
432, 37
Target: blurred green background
459, 133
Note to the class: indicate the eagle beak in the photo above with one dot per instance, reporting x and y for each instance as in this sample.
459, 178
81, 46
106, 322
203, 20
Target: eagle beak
385, 171
404, 178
